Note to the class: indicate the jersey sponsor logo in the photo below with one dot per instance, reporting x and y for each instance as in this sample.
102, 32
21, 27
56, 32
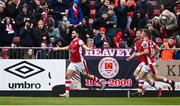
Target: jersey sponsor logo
108, 67
144, 45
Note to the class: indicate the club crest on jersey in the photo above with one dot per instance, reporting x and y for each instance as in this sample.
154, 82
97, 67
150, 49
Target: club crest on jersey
108, 67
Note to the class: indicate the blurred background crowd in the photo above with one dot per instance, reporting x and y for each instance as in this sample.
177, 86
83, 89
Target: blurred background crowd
102, 23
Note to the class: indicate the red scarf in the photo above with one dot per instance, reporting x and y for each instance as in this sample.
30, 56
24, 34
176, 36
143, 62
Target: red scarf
9, 27
75, 11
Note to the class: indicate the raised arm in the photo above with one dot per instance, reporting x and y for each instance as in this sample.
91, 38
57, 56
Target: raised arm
156, 49
61, 48
86, 48
146, 51
132, 56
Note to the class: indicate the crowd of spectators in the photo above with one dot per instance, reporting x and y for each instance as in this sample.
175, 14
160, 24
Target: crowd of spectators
115, 24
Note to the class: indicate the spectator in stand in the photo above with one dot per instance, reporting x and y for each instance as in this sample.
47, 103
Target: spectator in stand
145, 7
15, 53
45, 13
177, 54
127, 40
8, 31
31, 5
111, 23
139, 21
1, 55
65, 31
42, 11
101, 37
29, 54
2, 9
98, 4
103, 8
58, 8
75, 15
52, 31
26, 34
85, 30
130, 4
156, 23
121, 13
167, 4
5, 53
2, 15
118, 39
16, 42
106, 45
23, 14
169, 22
101, 21
168, 49
43, 53
59, 54
40, 34
154, 33
85, 6
90, 42
12, 8
177, 11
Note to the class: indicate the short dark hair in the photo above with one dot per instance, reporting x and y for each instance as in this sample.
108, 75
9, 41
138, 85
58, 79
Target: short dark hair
136, 39
147, 31
76, 30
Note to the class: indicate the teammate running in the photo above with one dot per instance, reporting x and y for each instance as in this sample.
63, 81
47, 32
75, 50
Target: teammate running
142, 70
149, 47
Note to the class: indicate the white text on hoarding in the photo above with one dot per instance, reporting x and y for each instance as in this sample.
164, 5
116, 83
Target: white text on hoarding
111, 83
109, 52
24, 85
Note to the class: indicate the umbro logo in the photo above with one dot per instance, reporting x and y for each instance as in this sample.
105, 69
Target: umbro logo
24, 69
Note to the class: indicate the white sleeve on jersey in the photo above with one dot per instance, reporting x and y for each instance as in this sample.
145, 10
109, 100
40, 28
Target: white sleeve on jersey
154, 44
81, 42
135, 47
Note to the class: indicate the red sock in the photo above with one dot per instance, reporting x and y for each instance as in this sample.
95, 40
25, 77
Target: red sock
167, 81
67, 85
140, 85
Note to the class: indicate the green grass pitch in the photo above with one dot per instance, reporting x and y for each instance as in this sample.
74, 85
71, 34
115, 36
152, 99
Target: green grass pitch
89, 101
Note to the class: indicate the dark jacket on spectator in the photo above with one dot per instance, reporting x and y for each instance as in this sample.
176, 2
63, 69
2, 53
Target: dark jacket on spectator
85, 6
26, 36
57, 8
38, 36
121, 13
139, 20
84, 31
98, 42
11, 10
103, 9
20, 19
100, 22
31, 5
168, 4
145, 7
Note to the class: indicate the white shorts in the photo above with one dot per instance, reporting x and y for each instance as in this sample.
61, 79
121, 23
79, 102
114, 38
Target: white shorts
79, 66
142, 67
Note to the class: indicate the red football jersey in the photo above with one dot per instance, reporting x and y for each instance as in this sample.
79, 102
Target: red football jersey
139, 48
150, 45
76, 50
